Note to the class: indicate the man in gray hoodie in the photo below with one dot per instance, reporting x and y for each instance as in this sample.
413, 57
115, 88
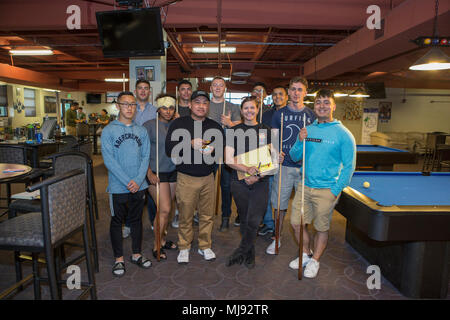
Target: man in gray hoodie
126, 153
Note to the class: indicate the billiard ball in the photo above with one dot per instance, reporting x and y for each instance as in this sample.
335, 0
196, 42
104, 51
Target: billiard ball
366, 184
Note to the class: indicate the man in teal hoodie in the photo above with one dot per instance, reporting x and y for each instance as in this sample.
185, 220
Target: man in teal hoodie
330, 157
126, 153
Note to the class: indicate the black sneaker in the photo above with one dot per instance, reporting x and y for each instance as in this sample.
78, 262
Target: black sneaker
236, 258
225, 224
264, 230
237, 221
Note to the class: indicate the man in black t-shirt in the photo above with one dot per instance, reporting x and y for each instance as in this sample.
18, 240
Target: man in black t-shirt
191, 143
184, 98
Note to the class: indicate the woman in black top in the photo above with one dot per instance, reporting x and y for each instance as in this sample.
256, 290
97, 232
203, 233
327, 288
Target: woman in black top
251, 193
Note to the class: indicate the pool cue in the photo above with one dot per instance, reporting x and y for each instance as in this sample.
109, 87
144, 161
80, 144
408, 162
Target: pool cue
123, 81
219, 170
176, 99
277, 224
302, 211
157, 226
261, 105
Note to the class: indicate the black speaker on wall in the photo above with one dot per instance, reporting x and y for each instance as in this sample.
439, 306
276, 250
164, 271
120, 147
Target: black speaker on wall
376, 90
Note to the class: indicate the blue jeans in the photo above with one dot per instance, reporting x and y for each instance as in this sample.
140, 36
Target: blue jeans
268, 217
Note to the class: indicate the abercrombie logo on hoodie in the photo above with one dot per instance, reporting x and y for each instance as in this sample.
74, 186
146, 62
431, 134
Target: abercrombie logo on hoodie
127, 136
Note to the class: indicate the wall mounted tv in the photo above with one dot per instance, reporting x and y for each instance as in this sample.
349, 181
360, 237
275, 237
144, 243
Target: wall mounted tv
131, 33
94, 98
376, 90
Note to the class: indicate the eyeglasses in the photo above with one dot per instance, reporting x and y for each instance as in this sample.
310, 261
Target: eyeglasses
127, 105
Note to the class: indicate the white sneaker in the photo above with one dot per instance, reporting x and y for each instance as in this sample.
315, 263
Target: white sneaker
208, 254
311, 269
175, 220
271, 248
126, 232
294, 263
183, 256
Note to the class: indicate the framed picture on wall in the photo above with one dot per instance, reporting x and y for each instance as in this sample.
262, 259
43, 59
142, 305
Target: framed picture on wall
111, 97
384, 111
145, 73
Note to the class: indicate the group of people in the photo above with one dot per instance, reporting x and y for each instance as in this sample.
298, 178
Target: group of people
75, 115
181, 145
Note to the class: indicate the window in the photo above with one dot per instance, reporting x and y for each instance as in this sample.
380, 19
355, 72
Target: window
49, 104
3, 102
29, 102
235, 97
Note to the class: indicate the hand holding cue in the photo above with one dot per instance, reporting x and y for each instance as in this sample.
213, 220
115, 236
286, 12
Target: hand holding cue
261, 105
302, 211
277, 224
157, 226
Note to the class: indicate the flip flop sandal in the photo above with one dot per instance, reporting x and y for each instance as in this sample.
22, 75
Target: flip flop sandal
141, 262
170, 245
162, 254
118, 269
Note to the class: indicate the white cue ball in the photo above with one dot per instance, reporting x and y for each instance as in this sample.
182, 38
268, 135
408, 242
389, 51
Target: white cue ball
366, 184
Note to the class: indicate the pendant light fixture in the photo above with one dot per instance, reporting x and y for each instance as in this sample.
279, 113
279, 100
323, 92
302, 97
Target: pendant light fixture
434, 59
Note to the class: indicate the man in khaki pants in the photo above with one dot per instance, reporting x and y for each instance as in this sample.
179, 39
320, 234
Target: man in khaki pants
190, 142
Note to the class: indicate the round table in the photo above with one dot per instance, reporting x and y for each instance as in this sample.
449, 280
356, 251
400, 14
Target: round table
20, 170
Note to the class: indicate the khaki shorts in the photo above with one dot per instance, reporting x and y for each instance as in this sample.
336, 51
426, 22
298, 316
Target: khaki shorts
319, 206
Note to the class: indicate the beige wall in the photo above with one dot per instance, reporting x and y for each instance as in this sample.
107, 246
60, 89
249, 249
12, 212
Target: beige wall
417, 113
19, 119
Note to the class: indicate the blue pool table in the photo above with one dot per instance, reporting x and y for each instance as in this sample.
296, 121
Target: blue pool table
402, 224
379, 158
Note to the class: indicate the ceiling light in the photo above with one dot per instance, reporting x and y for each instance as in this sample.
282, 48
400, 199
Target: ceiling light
211, 78
359, 93
337, 95
116, 79
242, 74
239, 81
52, 90
434, 59
31, 52
213, 50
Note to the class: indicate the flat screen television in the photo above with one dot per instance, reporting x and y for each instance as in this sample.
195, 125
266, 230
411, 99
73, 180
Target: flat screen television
376, 90
95, 98
131, 33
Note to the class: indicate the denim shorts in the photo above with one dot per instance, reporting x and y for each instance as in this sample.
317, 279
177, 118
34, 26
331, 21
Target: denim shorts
290, 178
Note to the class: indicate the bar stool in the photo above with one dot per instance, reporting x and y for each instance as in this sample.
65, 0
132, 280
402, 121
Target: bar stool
61, 217
61, 163
430, 160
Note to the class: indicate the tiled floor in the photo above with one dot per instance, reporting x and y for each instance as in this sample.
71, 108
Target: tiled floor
342, 273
